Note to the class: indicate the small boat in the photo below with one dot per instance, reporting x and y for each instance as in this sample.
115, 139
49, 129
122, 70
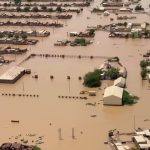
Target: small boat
83, 92
15, 121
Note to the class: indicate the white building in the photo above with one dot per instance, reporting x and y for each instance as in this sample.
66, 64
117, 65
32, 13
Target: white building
148, 77
119, 146
74, 33
123, 72
106, 13
105, 66
113, 96
143, 25
12, 75
141, 142
145, 132
102, 8
141, 139
148, 68
120, 82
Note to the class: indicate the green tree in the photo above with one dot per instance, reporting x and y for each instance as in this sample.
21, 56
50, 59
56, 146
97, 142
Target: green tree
59, 9
112, 73
1, 35
138, 8
24, 36
92, 32
16, 36
36, 148
143, 63
135, 148
125, 24
35, 9
27, 9
143, 73
18, 9
92, 79
128, 99
5, 4
10, 35
43, 7
50, 9
80, 41
17, 2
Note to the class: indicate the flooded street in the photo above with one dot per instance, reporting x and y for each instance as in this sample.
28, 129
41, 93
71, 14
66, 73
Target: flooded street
47, 113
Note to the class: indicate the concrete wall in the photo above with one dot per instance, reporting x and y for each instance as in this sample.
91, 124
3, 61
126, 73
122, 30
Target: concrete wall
112, 100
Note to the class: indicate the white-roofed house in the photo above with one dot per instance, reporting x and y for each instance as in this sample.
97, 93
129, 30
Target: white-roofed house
120, 82
113, 96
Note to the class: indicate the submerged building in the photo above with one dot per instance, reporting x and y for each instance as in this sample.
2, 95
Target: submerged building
120, 82
113, 96
12, 75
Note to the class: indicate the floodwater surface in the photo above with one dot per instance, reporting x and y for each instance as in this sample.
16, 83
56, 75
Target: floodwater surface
47, 113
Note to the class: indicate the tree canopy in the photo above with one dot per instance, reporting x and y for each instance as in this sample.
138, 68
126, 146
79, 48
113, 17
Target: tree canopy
128, 99
143, 73
17, 2
92, 79
113, 73
36, 148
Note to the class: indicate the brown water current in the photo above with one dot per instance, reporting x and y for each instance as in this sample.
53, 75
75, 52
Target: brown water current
36, 114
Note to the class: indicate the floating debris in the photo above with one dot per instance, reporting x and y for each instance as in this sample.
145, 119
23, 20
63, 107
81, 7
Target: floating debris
93, 115
15, 121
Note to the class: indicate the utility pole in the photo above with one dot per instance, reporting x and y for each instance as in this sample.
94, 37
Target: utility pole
23, 86
59, 134
69, 86
134, 122
73, 136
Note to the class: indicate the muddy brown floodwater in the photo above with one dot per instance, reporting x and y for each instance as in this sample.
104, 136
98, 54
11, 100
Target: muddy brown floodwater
35, 114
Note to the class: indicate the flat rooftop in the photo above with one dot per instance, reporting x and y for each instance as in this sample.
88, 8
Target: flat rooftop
12, 73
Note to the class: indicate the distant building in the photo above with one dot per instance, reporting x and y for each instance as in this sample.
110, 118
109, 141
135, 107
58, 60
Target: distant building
73, 34
148, 68
113, 96
105, 66
142, 142
119, 146
123, 72
143, 26
148, 77
145, 132
142, 139
124, 9
120, 82
12, 75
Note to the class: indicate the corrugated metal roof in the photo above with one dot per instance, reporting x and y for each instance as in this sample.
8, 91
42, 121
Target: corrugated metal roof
140, 139
12, 73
